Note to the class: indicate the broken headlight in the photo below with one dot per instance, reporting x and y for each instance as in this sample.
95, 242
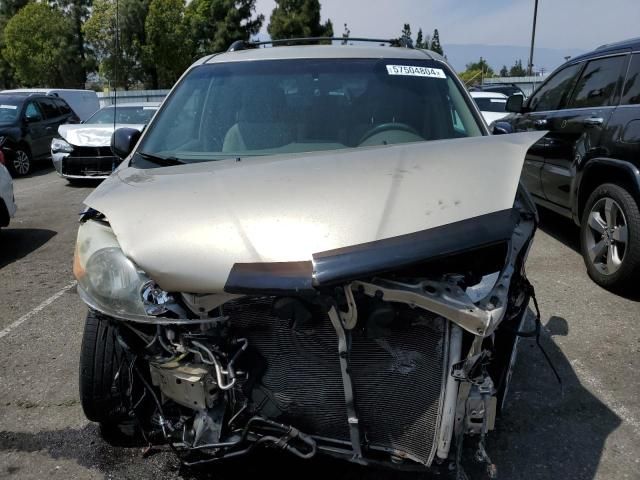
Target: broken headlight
58, 145
107, 280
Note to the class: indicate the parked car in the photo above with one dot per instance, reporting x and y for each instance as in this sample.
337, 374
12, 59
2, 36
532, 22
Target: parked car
83, 102
7, 200
587, 166
28, 123
507, 89
318, 248
81, 151
491, 105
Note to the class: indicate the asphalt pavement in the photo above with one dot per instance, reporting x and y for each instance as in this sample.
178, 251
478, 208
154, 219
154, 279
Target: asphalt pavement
588, 429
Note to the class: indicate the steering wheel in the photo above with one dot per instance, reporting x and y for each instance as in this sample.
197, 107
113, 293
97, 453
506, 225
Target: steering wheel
383, 127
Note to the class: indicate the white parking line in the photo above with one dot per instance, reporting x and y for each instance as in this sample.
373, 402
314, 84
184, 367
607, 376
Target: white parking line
6, 331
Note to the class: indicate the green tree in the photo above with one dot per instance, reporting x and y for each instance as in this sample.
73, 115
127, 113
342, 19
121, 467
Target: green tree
517, 70
39, 47
298, 18
476, 71
216, 24
8, 8
504, 71
77, 11
405, 36
168, 43
435, 43
419, 39
100, 33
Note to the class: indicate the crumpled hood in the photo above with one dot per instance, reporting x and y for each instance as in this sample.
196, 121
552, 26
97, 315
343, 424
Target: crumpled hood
186, 226
91, 135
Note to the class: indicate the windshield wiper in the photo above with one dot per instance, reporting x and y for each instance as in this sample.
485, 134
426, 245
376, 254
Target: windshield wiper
158, 160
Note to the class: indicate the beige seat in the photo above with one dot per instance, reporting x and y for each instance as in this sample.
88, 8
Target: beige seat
260, 124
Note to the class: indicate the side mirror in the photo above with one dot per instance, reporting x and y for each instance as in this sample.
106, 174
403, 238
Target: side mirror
514, 103
501, 128
31, 118
123, 140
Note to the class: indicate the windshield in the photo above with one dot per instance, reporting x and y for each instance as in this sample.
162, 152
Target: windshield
133, 115
284, 106
491, 104
9, 110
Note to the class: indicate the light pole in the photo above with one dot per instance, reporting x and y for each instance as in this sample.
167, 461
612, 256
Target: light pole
533, 37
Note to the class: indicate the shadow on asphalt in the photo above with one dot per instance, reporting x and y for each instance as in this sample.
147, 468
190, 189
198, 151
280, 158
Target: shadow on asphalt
560, 228
16, 243
84, 183
39, 170
545, 432
568, 233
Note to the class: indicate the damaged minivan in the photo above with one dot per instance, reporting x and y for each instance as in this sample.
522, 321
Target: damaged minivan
313, 248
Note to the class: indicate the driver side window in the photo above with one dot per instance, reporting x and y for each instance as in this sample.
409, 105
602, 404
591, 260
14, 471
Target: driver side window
32, 112
555, 92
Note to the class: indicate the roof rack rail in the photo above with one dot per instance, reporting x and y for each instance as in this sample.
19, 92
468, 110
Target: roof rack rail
245, 45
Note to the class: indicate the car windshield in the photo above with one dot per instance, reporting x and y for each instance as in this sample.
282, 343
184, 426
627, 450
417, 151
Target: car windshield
496, 104
9, 110
270, 107
138, 115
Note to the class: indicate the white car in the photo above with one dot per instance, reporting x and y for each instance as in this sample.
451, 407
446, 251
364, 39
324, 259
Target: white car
491, 104
84, 150
7, 202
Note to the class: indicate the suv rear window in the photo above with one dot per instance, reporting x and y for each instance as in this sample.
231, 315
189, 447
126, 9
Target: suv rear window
284, 106
631, 91
49, 107
598, 82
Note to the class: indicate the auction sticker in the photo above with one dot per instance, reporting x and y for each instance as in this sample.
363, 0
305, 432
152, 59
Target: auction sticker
415, 71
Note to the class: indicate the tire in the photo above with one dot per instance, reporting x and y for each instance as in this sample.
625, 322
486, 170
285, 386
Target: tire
22, 162
104, 397
612, 257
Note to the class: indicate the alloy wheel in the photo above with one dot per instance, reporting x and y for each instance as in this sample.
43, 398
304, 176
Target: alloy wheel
607, 236
21, 162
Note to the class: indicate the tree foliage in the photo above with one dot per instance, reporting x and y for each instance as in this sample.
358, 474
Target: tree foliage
504, 71
298, 18
476, 71
40, 48
517, 70
215, 24
100, 31
435, 43
164, 24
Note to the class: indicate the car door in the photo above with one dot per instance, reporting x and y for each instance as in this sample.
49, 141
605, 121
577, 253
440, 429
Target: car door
575, 130
53, 119
35, 129
538, 109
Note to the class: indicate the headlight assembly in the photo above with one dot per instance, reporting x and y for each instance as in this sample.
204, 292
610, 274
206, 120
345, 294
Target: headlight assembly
107, 280
59, 145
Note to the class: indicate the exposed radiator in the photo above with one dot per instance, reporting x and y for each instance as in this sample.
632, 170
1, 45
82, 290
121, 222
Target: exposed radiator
398, 380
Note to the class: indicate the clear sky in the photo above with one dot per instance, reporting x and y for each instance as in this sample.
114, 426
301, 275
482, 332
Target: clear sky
563, 24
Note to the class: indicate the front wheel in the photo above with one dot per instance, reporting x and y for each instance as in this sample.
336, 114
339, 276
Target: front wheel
105, 381
610, 237
22, 164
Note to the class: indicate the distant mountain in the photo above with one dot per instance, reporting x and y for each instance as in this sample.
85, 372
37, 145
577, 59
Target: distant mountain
499, 55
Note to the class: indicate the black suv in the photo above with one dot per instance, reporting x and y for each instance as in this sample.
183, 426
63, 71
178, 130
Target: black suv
587, 166
28, 123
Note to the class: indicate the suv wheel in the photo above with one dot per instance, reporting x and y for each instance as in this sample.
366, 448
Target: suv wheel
21, 164
105, 369
610, 237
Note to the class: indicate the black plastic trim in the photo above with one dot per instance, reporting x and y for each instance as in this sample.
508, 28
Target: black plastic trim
383, 255
275, 278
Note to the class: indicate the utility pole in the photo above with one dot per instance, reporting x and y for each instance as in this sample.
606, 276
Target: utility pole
533, 37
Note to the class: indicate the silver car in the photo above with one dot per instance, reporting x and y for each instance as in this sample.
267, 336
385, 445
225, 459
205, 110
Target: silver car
81, 151
315, 248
